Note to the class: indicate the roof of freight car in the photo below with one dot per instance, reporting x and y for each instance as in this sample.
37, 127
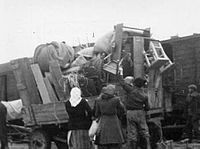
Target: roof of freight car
176, 38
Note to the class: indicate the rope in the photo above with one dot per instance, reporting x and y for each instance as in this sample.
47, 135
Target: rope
72, 79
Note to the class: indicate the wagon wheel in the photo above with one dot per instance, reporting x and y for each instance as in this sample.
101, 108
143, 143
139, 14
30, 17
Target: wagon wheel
40, 140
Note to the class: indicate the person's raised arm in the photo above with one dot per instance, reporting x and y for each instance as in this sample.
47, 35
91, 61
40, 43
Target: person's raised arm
128, 88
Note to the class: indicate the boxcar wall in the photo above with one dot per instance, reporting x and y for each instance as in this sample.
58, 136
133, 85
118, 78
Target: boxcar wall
185, 53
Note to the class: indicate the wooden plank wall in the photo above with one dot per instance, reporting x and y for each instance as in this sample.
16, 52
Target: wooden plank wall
51, 113
26, 84
155, 90
12, 92
186, 55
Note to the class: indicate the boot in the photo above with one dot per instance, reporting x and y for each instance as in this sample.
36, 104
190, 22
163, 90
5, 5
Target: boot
132, 145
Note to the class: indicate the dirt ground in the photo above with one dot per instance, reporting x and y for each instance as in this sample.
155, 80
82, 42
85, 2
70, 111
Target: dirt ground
174, 146
25, 146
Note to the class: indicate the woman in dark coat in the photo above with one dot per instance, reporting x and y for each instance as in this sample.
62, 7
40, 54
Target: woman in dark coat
109, 134
80, 121
3, 129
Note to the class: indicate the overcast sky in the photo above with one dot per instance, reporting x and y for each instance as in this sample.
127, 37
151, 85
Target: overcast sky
27, 23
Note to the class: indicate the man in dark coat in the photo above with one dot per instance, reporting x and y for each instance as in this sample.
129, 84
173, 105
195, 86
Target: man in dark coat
192, 112
3, 129
136, 104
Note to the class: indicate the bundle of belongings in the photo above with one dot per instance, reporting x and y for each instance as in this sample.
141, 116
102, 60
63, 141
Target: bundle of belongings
83, 68
85, 72
105, 43
13, 109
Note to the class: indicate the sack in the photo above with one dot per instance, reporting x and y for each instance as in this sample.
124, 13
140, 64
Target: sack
105, 43
93, 129
44, 53
13, 109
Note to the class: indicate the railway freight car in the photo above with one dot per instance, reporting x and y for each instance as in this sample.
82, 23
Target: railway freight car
185, 54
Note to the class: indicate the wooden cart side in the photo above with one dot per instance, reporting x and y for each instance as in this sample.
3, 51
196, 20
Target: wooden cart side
39, 108
26, 87
26, 84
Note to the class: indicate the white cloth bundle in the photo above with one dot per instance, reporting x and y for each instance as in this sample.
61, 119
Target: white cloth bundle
93, 129
13, 109
105, 43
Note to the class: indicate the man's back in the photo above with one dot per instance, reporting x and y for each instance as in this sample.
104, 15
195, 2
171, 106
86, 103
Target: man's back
136, 99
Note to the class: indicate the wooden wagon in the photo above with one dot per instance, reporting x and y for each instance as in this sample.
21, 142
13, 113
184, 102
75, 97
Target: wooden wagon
43, 97
44, 94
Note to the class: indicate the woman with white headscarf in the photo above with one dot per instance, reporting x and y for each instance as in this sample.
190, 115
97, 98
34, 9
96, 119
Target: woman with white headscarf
80, 120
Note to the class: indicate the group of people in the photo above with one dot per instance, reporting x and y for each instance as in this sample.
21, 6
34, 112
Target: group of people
108, 111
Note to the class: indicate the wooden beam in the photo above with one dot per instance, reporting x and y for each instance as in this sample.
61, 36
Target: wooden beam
61, 91
116, 54
40, 83
50, 89
138, 47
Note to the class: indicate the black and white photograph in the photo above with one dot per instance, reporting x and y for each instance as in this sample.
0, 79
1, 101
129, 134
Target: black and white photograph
99, 74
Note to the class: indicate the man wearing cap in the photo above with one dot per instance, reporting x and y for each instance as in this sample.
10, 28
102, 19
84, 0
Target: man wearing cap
192, 112
136, 103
